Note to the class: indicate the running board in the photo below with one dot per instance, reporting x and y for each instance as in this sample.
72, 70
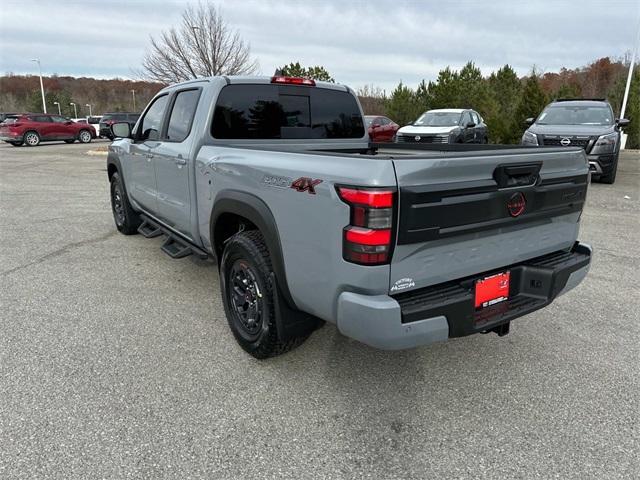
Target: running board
149, 230
174, 246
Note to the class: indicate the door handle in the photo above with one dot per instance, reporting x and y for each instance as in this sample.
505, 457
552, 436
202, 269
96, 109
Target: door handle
180, 161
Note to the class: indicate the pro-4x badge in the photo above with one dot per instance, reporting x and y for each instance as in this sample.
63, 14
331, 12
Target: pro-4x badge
305, 184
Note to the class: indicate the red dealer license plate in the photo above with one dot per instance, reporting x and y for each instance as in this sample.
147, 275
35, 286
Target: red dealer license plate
492, 289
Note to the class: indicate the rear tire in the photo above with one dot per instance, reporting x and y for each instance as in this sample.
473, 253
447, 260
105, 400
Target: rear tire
610, 177
126, 219
31, 138
248, 296
84, 136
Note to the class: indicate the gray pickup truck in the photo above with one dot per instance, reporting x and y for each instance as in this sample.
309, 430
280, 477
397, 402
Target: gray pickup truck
398, 245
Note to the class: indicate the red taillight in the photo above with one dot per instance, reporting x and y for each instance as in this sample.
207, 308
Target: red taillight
371, 198
293, 81
368, 237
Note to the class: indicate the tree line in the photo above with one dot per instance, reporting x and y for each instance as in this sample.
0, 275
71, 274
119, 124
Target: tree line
506, 100
21, 93
502, 98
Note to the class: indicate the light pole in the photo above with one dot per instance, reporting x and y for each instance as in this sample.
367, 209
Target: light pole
133, 93
58, 103
195, 35
44, 105
89, 105
75, 110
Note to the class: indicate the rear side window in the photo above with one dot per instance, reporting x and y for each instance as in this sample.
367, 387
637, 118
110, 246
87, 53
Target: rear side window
184, 107
11, 119
152, 121
285, 112
40, 118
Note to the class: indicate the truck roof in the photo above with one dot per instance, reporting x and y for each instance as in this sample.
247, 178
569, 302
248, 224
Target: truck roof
579, 103
256, 79
449, 110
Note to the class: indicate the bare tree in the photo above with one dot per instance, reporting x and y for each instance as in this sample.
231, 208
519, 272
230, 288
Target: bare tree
201, 46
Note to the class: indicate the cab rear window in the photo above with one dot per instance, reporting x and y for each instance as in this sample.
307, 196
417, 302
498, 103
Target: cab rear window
285, 112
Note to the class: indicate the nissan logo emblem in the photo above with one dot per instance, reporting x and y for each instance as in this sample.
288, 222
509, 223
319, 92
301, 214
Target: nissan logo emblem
417, 138
565, 142
516, 204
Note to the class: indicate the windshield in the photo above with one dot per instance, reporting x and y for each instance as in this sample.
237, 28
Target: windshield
438, 119
576, 115
115, 116
369, 120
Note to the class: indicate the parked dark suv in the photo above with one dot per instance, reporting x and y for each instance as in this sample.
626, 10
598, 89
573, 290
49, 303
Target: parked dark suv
109, 119
586, 123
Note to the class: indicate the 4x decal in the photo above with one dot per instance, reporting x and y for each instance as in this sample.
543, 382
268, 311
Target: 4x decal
305, 184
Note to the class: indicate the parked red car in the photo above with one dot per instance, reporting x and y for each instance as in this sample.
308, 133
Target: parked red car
381, 129
33, 128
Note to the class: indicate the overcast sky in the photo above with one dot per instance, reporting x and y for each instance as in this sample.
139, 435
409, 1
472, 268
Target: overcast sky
359, 42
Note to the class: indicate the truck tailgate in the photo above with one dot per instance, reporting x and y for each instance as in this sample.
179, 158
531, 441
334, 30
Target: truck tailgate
465, 213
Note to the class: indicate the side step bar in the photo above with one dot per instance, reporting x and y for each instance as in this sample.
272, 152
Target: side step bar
149, 230
174, 246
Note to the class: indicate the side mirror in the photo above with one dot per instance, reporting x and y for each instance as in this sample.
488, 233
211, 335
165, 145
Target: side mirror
530, 120
470, 125
121, 130
375, 125
623, 122
68, 122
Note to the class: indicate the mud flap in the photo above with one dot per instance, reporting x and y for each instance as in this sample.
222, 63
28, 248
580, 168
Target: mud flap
291, 323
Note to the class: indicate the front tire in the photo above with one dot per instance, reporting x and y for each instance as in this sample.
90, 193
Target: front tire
248, 296
126, 219
84, 136
32, 139
610, 177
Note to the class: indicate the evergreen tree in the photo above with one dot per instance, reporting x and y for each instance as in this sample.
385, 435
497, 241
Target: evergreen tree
296, 70
532, 101
402, 106
505, 90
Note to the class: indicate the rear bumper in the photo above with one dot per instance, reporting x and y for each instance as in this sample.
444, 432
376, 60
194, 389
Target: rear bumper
447, 310
10, 137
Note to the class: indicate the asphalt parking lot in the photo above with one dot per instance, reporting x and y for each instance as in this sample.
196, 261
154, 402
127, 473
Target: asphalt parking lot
116, 361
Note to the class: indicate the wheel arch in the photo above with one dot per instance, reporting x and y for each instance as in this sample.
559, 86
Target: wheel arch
232, 207
113, 166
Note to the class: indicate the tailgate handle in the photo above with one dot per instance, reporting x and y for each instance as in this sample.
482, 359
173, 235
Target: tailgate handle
517, 175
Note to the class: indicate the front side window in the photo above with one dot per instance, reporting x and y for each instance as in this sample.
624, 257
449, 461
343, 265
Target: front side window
475, 118
285, 112
60, 119
152, 121
184, 108
466, 118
